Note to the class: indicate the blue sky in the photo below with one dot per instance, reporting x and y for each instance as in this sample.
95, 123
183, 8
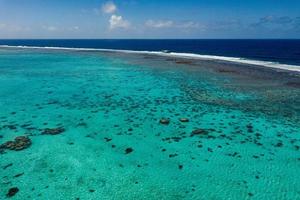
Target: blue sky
150, 19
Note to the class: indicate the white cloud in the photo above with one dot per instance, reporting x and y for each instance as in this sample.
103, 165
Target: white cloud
159, 23
75, 28
116, 21
109, 7
50, 28
189, 25
13, 28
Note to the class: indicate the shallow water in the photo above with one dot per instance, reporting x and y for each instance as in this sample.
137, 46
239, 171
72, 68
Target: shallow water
113, 145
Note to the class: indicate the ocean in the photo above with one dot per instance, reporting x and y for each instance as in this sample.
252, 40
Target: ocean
126, 119
277, 51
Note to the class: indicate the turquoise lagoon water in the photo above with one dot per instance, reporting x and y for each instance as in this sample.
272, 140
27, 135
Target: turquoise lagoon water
110, 102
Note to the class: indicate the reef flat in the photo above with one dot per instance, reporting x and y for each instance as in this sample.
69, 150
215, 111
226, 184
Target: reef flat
99, 125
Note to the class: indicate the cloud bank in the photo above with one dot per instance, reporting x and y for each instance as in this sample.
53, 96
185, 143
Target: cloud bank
159, 24
116, 21
109, 7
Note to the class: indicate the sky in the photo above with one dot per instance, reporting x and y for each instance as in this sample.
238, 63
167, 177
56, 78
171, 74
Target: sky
149, 19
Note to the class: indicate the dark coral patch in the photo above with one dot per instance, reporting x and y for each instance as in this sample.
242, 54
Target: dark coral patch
164, 121
184, 120
293, 84
199, 131
8, 165
53, 131
20, 143
128, 150
12, 192
18, 175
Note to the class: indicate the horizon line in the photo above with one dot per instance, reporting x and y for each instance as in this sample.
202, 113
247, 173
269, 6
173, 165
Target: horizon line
149, 38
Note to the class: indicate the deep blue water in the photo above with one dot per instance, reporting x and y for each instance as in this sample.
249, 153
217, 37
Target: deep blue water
282, 51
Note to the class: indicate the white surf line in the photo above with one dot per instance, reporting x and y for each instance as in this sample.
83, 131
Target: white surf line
273, 65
